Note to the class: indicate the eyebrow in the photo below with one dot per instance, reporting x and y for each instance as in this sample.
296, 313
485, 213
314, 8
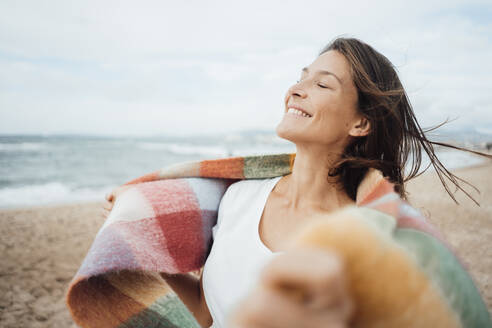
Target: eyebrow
305, 69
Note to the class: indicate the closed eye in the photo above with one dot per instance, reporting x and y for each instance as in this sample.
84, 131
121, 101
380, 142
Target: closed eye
320, 85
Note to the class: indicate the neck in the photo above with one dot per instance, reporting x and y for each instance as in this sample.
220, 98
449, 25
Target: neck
309, 188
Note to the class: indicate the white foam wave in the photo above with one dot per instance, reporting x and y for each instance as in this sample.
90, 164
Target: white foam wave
185, 149
49, 193
22, 146
262, 151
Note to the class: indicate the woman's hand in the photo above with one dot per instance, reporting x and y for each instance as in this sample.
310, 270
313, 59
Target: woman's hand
111, 199
301, 288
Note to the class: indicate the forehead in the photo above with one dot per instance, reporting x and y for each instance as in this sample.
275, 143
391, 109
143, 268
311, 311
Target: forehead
334, 62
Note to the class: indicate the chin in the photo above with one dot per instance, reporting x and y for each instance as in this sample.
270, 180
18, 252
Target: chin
286, 133
296, 135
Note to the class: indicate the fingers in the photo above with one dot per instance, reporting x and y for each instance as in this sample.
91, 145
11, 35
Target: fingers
300, 288
108, 206
305, 274
113, 194
312, 277
109, 196
106, 209
105, 212
266, 308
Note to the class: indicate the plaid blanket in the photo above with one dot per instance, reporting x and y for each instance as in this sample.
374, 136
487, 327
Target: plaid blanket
401, 272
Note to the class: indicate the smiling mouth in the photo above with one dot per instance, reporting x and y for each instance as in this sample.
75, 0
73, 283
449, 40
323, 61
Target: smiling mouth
297, 112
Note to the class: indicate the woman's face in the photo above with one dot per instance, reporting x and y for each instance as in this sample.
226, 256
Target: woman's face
327, 93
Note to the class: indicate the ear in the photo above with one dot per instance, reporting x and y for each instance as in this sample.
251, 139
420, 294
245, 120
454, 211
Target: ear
361, 128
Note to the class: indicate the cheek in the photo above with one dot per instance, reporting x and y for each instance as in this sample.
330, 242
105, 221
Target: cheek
338, 109
334, 120
333, 112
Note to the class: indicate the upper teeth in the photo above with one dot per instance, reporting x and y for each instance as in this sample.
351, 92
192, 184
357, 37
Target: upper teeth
297, 112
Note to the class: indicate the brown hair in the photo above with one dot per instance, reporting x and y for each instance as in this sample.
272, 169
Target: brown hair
395, 133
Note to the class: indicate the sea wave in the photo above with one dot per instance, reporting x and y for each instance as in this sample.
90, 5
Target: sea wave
49, 193
185, 149
68, 185
263, 150
22, 146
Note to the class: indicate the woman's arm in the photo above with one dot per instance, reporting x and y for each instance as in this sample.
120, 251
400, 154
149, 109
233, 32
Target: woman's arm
189, 289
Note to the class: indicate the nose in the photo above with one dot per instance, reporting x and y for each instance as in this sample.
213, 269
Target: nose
297, 90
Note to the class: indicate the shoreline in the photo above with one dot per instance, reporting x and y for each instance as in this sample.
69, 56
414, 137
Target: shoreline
484, 163
44, 245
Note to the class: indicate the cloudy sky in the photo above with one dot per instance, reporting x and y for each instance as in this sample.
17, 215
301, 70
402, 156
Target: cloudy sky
187, 67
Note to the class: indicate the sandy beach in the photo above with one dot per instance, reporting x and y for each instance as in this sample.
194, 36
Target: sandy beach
42, 247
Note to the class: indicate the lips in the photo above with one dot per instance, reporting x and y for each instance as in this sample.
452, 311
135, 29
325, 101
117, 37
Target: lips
299, 108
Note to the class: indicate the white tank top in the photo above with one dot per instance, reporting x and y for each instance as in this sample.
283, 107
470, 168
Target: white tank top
238, 254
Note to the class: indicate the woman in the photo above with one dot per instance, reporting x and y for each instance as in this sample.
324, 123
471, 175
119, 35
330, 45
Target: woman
346, 114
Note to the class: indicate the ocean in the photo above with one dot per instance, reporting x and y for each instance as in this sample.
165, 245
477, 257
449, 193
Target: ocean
49, 170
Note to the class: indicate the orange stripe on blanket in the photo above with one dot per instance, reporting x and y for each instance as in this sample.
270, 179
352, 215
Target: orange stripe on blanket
292, 158
145, 178
145, 288
380, 188
103, 296
231, 168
